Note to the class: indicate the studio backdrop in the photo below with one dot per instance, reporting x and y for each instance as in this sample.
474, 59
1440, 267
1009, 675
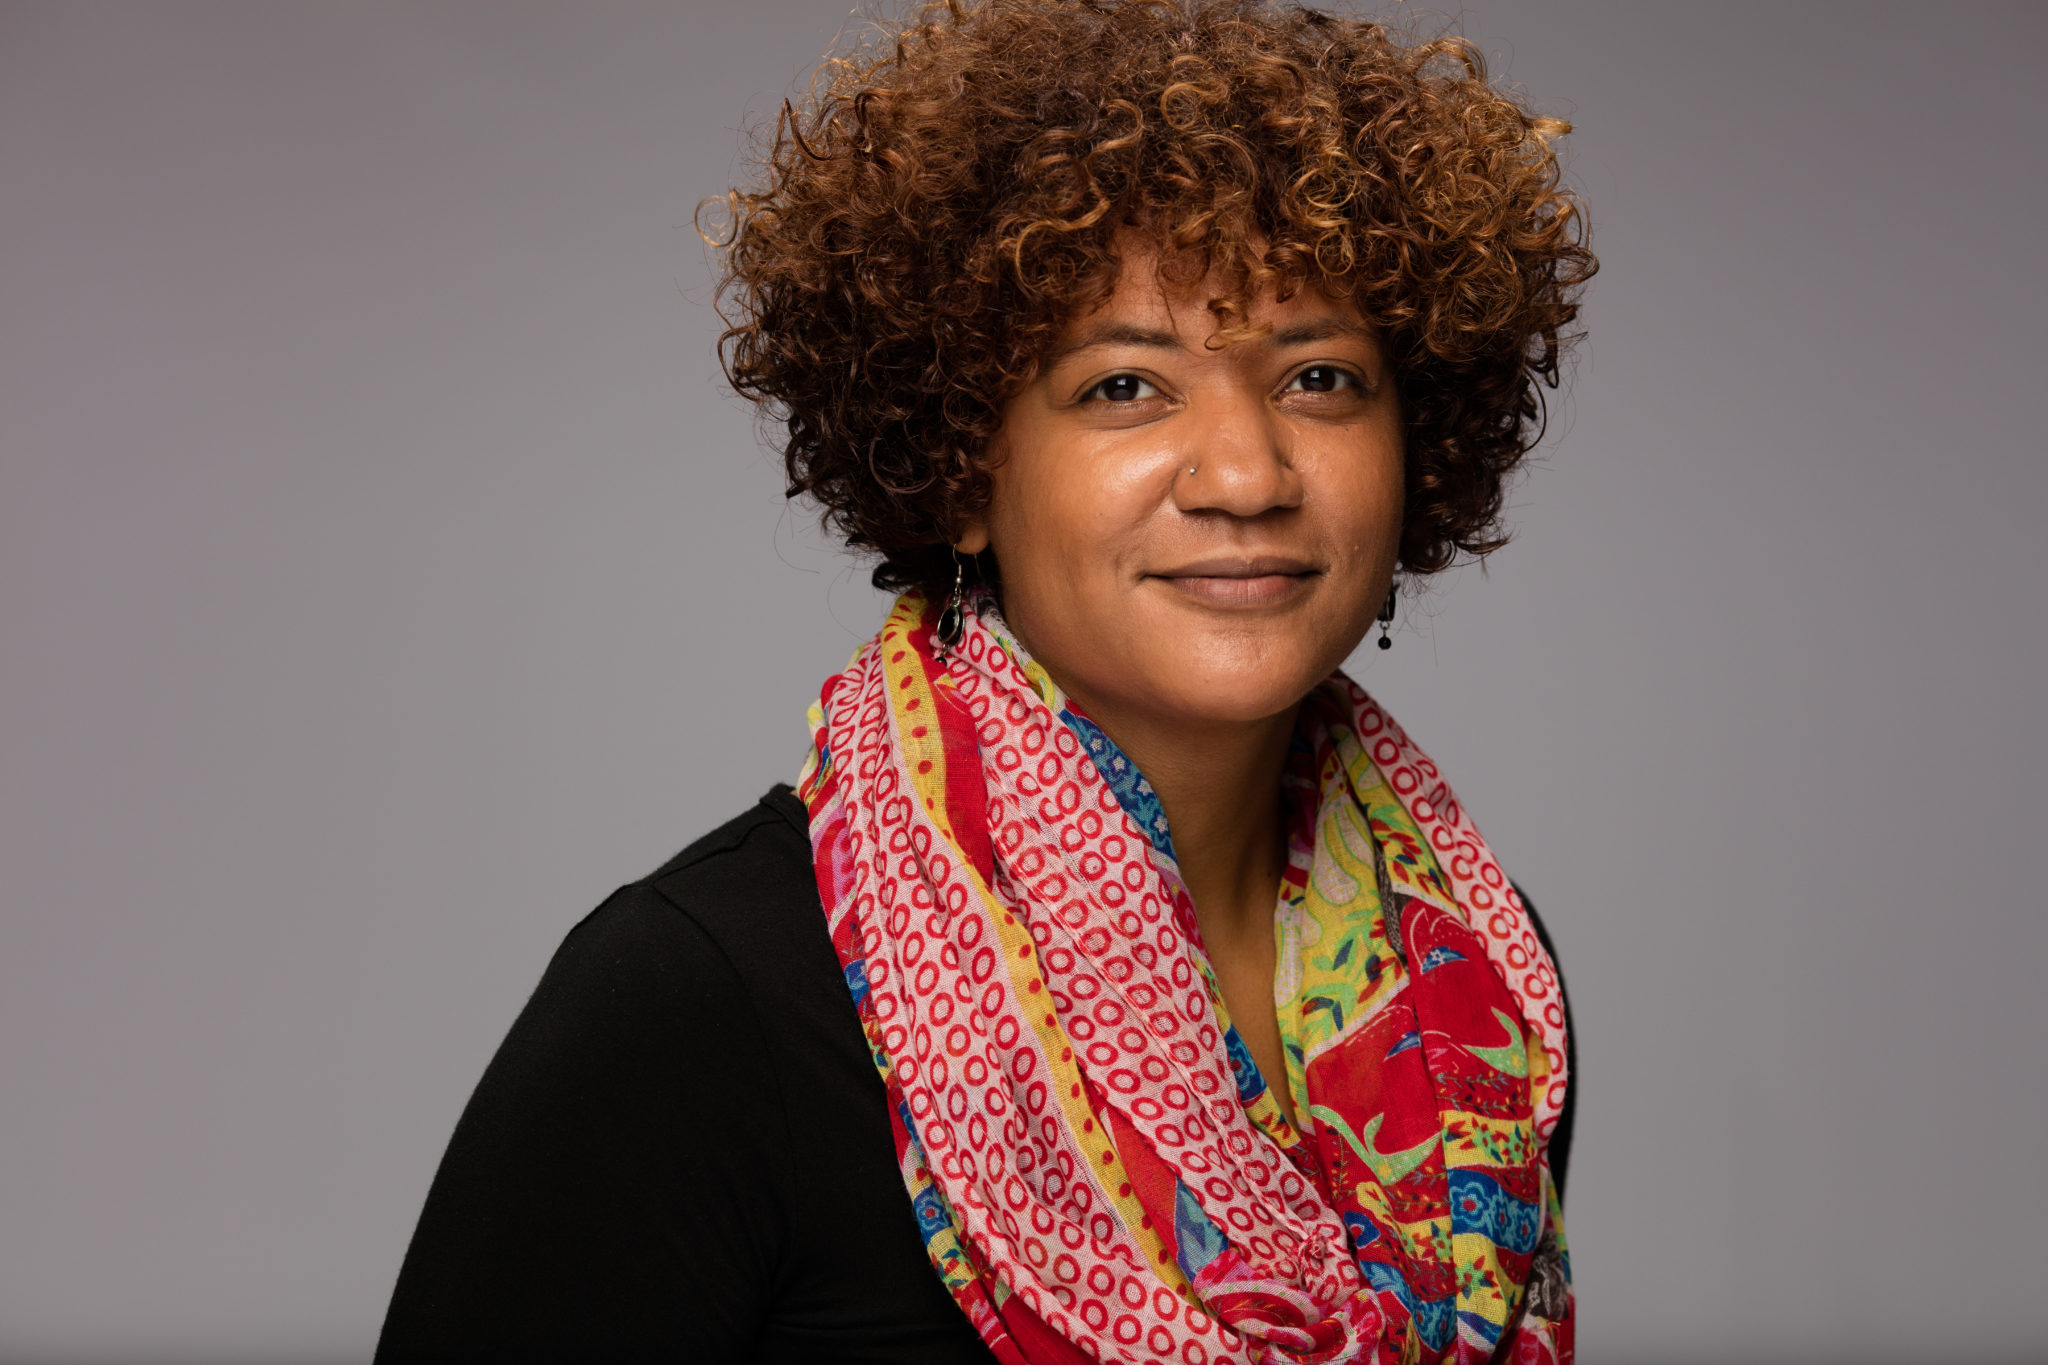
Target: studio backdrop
386, 574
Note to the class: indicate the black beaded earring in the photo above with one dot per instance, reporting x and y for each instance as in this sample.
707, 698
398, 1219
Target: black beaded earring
1387, 614
953, 620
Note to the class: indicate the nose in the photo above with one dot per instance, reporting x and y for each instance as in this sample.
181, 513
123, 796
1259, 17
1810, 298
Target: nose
1237, 461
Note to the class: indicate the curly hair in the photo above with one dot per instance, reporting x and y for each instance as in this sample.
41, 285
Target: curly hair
943, 202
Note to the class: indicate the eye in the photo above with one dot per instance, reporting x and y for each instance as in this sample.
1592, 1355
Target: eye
1323, 379
1122, 388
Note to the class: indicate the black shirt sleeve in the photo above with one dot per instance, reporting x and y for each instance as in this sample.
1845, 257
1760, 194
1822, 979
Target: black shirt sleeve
682, 1149
602, 1192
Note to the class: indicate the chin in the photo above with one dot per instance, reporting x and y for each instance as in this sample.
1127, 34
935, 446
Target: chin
1198, 690
1231, 666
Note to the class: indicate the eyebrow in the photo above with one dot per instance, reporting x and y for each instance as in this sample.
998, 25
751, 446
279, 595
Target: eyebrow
1322, 329
1126, 334
1115, 334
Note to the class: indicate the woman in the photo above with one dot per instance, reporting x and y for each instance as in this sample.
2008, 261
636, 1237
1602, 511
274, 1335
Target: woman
1119, 982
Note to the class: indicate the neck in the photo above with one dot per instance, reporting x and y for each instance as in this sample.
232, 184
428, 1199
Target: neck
1220, 787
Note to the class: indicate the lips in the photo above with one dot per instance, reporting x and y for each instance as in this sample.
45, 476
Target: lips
1241, 580
1240, 566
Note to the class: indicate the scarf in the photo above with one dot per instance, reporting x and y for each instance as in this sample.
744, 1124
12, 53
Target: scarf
1098, 1169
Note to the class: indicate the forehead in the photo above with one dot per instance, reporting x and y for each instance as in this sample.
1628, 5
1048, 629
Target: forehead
1148, 306
1154, 294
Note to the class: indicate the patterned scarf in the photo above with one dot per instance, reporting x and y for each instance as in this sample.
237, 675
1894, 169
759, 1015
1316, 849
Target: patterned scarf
1097, 1167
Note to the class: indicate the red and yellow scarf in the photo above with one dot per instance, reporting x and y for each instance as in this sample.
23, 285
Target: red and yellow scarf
1096, 1165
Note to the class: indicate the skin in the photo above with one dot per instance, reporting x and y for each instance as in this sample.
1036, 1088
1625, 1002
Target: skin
1192, 536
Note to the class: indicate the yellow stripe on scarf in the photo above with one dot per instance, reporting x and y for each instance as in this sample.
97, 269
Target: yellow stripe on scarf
925, 760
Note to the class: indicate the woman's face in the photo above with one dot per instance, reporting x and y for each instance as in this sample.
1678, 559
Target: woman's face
1197, 535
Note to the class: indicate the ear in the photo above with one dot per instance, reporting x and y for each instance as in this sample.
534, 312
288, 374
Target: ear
973, 537
971, 531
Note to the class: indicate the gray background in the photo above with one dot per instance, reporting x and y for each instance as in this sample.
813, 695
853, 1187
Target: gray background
384, 576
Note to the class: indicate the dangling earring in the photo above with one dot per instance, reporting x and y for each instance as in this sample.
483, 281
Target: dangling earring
1387, 614
953, 620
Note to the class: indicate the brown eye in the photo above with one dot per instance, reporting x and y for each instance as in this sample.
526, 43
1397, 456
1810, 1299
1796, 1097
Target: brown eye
1122, 388
1324, 379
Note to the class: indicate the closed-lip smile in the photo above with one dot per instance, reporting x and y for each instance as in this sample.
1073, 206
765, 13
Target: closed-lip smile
1241, 580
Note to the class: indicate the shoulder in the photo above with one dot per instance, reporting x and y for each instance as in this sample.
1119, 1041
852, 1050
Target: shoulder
771, 834
723, 949
738, 894
603, 1194
737, 914
682, 964
748, 880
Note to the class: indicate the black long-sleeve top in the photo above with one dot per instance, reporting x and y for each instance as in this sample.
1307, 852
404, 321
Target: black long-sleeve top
682, 1148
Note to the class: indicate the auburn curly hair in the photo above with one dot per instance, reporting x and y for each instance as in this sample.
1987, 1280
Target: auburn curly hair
943, 202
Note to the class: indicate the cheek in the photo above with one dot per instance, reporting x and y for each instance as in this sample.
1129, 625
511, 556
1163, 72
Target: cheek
1361, 497
1070, 511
